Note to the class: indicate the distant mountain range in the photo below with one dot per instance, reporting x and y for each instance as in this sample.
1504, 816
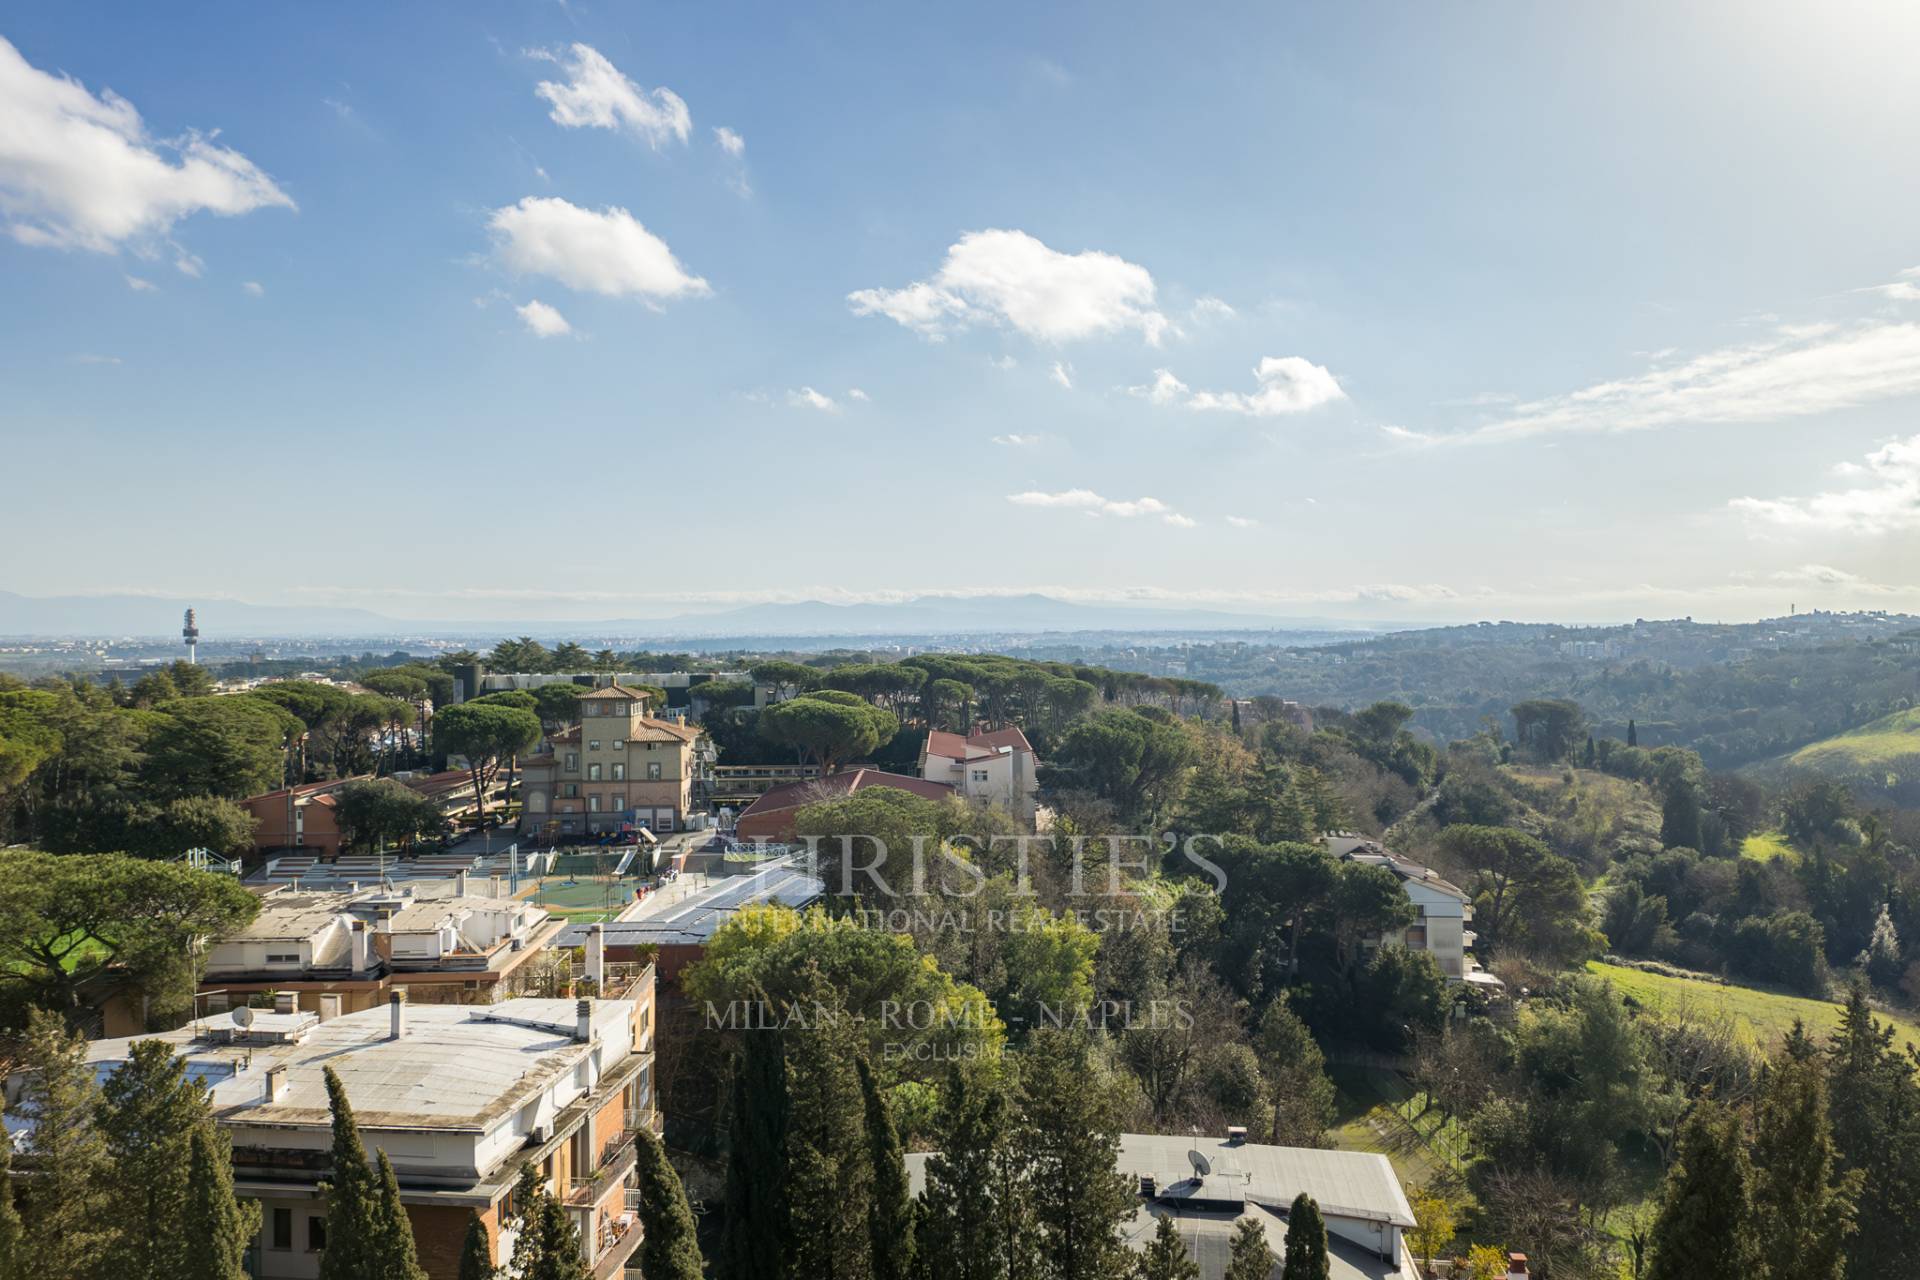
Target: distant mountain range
109, 616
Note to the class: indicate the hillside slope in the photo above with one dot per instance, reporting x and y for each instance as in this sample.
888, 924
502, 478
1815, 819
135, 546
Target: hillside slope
1881, 757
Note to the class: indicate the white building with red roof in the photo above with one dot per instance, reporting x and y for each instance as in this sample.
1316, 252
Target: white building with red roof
996, 767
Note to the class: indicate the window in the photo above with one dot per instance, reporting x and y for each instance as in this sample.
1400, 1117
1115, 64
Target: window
653, 771
594, 745
283, 1228
619, 801
593, 803
619, 744
316, 1234
283, 957
979, 775
573, 762
593, 773
570, 791
619, 772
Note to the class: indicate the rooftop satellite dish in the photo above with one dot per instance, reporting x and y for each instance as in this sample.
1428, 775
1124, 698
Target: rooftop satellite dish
243, 1017
1201, 1167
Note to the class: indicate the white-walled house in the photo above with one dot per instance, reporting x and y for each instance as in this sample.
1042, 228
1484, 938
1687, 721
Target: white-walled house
996, 767
1444, 909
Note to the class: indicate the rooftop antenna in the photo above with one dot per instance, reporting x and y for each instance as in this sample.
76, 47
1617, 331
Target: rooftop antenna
1201, 1166
190, 636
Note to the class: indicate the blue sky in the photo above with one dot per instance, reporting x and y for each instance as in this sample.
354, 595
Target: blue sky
1441, 311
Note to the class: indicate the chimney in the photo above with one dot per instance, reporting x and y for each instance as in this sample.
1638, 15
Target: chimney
460, 884
276, 1082
1149, 1186
397, 1006
1516, 1266
583, 1021
286, 1002
597, 957
1236, 1134
329, 1007
362, 946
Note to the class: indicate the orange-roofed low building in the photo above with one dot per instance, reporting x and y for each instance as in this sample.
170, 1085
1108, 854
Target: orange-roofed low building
301, 817
770, 818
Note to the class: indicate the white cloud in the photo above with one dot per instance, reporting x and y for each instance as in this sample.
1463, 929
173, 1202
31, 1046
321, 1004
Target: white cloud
1823, 575
1062, 374
1164, 389
1797, 371
1091, 503
1888, 502
1209, 307
542, 320
855, 393
1408, 436
730, 142
187, 264
80, 172
605, 251
138, 285
1003, 362
254, 288
597, 96
1287, 384
88, 357
1012, 279
920, 307
1243, 522
808, 398
1904, 288
1017, 440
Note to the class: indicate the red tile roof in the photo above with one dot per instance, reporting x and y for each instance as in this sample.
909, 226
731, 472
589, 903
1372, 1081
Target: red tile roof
951, 746
619, 691
846, 782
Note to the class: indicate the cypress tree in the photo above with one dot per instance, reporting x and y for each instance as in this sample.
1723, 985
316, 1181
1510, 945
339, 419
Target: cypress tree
1166, 1255
64, 1233
350, 1192
1874, 1100
968, 1223
390, 1240
1248, 1256
149, 1112
753, 1242
559, 1245
891, 1218
668, 1251
829, 1169
219, 1226
1633, 735
1068, 1139
529, 1192
1803, 1214
1306, 1241
1705, 1226
476, 1252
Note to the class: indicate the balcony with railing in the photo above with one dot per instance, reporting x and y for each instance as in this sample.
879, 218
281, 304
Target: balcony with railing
616, 1162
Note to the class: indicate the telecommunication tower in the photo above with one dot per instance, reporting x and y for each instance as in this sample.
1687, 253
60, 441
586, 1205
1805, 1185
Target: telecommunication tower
190, 635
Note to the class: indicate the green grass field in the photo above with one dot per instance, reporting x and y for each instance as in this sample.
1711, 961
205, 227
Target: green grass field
1766, 1015
1877, 744
1371, 1109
